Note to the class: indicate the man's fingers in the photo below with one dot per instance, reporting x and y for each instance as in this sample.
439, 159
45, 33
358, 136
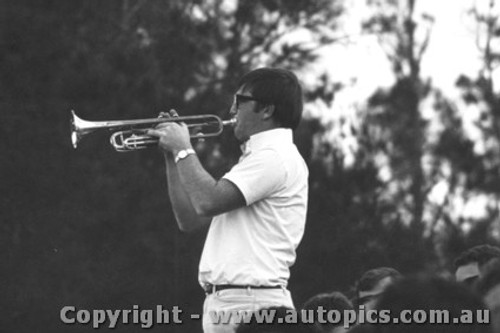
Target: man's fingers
170, 114
166, 125
161, 126
153, 132
164, 115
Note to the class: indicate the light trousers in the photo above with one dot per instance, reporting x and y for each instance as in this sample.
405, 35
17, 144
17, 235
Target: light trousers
219, 309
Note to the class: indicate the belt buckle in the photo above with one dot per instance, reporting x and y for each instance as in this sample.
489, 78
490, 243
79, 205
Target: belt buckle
210, 288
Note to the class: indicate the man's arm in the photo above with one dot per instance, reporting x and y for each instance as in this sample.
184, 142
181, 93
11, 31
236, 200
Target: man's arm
209, 197
185, 214
193, 191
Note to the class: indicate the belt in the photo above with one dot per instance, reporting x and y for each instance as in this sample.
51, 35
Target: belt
212, 288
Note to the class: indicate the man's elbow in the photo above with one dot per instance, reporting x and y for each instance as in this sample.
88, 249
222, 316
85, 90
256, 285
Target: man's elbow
187, 228
188, 224
206, 209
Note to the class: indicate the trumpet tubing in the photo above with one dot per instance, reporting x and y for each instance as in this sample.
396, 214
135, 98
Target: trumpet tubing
129, 134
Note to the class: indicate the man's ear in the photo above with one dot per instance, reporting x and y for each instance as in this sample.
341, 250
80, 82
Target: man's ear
268, 112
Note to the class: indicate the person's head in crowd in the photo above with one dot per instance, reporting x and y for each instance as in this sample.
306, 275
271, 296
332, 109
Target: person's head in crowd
372, 283
327, 302
284, 320
426, 296
470, 263
488, 286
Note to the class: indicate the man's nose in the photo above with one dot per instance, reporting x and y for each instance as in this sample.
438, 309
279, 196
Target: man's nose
233, 110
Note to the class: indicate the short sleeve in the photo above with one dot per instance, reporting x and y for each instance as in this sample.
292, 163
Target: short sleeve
258, 175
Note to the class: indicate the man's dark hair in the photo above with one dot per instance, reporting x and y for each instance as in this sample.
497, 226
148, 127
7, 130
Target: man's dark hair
430, 294
490, 278
327, 301
279, 323
278, 87
480, 254
371, 278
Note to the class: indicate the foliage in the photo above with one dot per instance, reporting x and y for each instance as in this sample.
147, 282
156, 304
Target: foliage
476, 162
93, 228
415, 137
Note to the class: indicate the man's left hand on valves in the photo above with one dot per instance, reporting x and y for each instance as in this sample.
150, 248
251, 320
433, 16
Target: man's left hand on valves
173, 137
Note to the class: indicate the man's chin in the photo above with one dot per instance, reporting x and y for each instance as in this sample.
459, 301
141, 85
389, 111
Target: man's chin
239, 136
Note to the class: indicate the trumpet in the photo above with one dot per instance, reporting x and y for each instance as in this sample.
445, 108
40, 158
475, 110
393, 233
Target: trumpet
129, 134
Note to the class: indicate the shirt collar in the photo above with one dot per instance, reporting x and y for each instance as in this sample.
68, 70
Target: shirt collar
274, 137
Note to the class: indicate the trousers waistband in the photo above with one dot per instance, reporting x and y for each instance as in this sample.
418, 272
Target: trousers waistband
212, 288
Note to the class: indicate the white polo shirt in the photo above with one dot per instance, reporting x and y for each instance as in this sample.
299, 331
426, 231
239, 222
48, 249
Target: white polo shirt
255, 244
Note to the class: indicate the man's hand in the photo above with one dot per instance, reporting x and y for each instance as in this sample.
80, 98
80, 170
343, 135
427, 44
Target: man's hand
173, 137
170, 114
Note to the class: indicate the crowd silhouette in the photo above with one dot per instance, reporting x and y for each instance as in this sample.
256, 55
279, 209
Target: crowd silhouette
386, 301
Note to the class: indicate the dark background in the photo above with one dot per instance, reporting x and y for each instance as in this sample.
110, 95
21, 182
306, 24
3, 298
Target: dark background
93, 228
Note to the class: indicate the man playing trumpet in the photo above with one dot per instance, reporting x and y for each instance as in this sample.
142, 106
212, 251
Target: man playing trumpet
257, 210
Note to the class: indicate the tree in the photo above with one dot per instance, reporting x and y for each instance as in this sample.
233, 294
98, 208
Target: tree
371, 198
478, 176
415, 137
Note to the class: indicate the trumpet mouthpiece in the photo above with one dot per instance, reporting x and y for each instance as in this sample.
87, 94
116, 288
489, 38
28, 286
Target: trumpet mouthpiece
230, 122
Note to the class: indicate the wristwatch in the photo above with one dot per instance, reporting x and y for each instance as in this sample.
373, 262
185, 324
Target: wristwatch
182, 154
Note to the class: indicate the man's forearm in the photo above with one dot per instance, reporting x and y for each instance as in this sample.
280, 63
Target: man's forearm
199, 185
185, 214
208, 197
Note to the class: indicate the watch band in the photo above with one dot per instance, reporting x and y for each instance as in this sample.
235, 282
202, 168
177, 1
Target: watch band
182, 154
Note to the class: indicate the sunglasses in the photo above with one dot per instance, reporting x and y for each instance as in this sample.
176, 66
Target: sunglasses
238, 99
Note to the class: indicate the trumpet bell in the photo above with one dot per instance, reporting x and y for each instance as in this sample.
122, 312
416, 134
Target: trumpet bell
76, 129
74, 139
80, 128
